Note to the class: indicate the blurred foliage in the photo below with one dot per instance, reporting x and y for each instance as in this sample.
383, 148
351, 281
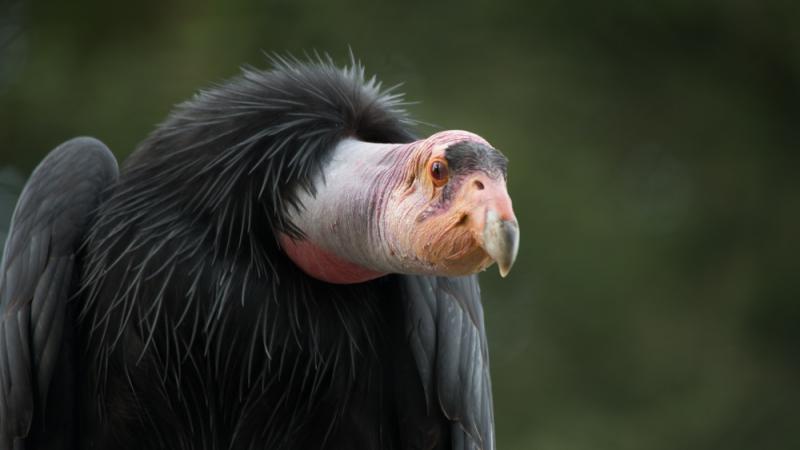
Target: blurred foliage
654, 153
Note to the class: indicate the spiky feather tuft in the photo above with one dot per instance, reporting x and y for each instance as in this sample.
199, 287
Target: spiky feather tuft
185, 246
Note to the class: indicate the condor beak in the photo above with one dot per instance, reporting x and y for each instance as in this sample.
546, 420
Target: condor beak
501, 240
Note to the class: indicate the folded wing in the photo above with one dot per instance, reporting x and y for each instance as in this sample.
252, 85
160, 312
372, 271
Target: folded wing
445, 329
37, 278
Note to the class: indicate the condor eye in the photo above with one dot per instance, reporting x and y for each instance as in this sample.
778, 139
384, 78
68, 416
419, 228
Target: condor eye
439, 173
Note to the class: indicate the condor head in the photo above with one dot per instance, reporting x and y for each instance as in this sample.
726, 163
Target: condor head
437, 206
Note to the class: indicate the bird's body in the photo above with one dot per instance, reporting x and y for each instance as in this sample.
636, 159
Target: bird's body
196, 318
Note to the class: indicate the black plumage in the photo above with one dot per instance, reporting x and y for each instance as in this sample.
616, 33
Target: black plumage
188, 328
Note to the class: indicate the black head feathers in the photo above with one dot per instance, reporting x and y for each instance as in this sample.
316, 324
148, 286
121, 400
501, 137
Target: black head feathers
262, 133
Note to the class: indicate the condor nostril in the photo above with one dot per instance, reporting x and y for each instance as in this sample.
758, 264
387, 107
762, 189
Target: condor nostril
478, 185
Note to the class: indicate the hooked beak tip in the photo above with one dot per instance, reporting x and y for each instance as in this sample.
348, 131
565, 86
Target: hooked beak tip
504, 270
501, 241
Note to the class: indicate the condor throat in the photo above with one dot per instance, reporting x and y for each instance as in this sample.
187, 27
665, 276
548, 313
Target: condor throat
323, 265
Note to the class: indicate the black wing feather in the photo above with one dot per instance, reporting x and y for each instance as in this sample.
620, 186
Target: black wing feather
445, 329
36, 280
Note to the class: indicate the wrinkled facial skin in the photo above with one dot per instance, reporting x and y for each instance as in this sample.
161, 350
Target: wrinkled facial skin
440, 220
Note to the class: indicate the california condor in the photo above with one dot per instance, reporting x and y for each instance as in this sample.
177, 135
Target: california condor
281, 264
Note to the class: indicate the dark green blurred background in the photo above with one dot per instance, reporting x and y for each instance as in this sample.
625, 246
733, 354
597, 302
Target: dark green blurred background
654, 154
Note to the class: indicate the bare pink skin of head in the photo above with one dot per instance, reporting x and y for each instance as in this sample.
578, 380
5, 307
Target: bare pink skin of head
437, 206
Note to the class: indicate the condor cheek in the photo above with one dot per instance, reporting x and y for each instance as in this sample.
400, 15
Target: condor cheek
447, 245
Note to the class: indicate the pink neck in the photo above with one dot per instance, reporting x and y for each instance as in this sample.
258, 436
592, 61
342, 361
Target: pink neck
324, 265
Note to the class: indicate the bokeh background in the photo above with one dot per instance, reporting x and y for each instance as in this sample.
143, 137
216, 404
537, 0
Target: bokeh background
654, 146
